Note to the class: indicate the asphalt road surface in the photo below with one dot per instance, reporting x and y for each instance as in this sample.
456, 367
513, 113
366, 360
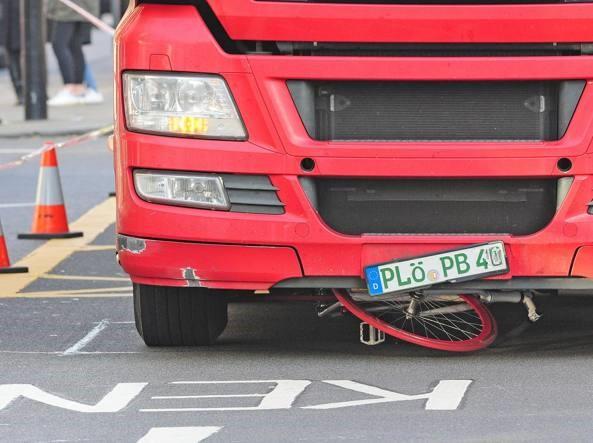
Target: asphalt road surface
72, 367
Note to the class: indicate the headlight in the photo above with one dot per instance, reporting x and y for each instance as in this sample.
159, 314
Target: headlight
182, 189
185, 105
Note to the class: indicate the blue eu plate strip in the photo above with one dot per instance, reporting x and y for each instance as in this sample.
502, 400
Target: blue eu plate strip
373, 280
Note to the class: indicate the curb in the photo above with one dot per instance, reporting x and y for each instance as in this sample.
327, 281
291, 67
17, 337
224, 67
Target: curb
48, 132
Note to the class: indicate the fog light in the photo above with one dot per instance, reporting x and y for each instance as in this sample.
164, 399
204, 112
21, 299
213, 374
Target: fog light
182, 189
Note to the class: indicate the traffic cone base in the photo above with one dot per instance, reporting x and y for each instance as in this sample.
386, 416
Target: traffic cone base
33, 236
14, 270
5, 267
50, 220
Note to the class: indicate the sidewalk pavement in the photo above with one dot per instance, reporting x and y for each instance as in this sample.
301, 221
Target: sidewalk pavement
66, 120
62, 121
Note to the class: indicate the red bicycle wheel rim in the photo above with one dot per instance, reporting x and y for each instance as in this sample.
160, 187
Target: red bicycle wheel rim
481, 341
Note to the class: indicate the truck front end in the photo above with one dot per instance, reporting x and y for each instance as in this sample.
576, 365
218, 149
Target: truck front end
266, 145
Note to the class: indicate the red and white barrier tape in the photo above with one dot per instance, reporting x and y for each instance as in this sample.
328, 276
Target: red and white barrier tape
92, 135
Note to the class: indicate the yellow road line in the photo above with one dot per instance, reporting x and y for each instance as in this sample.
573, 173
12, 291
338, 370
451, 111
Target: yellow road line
50, 254
124, 291
82, 277
93, 248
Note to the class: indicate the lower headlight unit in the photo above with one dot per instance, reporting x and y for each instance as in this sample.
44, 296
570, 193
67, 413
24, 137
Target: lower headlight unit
182, 189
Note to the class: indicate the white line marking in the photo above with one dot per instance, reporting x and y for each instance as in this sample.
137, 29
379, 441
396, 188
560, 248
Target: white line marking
172, 397
192, 434
282, 396
68, 294
78, 353
445, 396
79, 345
202, 409
105, 352
116, 400
218, 382
32, 352
17, 205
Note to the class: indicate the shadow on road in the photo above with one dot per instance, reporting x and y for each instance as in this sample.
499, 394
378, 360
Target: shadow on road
293, 328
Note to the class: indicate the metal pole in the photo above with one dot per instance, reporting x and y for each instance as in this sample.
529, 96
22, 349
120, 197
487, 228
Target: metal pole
33, 59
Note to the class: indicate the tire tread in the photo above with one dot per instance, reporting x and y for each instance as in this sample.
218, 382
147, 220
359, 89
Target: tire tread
172, 316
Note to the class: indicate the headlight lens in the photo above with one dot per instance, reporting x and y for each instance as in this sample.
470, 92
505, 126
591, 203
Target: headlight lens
184, 105
195, 190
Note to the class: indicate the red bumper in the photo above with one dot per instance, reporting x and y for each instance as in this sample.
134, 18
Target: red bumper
215, 266
255, 251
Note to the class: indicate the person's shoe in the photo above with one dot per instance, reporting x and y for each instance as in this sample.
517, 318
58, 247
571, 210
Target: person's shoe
64, 98
92, 97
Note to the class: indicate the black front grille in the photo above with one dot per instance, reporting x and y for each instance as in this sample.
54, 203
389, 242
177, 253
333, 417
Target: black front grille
436, 111
253, 194
434, 206
341, 49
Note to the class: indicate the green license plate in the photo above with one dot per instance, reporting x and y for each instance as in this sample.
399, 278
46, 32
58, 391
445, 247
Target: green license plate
461, 264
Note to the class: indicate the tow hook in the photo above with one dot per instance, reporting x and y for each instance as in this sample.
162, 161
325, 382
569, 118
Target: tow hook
371, 336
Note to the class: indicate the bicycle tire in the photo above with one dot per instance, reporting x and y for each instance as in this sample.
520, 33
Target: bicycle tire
444, 340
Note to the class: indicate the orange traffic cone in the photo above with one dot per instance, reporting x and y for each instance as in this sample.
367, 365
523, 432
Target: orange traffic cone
5, 267
49, 220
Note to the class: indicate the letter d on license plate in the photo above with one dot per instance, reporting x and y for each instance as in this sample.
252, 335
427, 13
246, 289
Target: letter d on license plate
460, 264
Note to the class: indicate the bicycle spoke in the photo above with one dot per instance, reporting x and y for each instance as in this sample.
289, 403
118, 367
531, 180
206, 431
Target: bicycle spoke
446, 322
453, 322
450, 325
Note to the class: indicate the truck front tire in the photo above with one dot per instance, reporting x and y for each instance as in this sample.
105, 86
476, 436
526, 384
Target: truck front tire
170, 316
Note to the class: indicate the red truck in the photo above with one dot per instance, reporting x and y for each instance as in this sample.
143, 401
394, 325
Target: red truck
410, 161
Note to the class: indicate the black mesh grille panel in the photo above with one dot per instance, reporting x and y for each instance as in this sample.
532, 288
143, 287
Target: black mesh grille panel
435, 111
340, 49
436, 206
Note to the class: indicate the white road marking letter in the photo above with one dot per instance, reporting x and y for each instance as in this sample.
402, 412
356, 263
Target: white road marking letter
193, 434
282, 396
446, 396
114, 401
